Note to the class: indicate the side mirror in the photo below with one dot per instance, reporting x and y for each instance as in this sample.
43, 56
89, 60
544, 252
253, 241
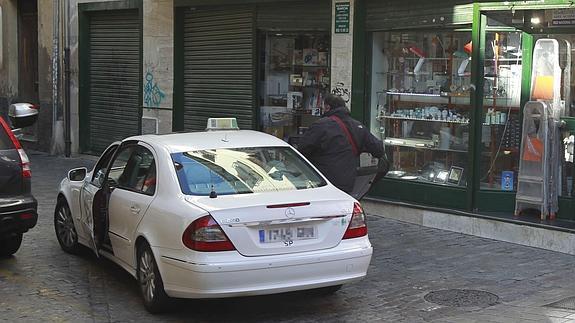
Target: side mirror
77, 174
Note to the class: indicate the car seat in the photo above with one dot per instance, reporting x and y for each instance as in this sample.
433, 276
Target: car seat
129, 176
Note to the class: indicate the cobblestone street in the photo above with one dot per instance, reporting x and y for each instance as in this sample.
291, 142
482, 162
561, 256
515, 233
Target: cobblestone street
42, 283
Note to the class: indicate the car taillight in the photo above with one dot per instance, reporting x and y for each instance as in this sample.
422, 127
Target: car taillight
357, 226
205, 234
26, 216
24, 161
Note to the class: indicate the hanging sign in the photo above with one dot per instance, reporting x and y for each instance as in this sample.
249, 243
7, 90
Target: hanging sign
342, 17
563, 17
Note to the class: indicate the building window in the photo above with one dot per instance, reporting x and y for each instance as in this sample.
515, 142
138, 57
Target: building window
294, 79
421, 104
567, 165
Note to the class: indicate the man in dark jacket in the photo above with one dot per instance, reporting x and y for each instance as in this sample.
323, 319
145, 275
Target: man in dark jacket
327, 146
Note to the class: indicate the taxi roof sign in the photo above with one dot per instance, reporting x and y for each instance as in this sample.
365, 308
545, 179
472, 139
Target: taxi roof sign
222, 124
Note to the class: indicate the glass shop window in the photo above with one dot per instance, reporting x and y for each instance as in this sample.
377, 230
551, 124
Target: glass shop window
294, 79
421, 104
501, 129
567, 170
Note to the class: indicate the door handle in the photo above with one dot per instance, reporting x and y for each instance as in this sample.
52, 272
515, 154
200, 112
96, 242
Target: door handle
135, 209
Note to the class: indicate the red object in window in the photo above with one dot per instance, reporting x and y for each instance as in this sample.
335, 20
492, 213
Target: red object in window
533, 149
468, 48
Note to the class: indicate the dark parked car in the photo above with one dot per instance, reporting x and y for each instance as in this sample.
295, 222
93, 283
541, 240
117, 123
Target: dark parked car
18, 208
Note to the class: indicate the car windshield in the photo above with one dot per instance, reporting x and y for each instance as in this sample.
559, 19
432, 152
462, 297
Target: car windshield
244, 170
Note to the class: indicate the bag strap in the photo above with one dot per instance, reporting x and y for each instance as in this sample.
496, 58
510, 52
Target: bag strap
347, 134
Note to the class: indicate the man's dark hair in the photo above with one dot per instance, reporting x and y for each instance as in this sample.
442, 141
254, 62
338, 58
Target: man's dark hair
334, 101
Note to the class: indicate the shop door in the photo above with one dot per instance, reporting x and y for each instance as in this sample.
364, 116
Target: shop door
219, 67
113, 78
507, 65
28, 51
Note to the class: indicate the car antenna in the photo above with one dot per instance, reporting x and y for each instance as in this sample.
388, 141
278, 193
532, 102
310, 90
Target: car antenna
213, 193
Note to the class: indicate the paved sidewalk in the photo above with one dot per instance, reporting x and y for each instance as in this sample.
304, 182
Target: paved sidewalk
42, 283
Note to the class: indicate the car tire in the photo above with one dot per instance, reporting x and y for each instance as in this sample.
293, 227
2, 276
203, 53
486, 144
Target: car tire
9, 244
150, 281
64, 228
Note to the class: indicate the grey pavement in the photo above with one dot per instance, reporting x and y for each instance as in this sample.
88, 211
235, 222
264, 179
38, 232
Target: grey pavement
42, 283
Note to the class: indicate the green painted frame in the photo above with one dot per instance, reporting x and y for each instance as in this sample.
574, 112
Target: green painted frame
497, 201
84, 10
394, 189
178, 108
472, 198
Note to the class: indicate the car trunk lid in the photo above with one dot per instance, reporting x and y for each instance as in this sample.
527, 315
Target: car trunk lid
291, 223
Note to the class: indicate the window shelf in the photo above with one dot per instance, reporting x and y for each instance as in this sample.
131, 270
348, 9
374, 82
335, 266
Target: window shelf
427, 120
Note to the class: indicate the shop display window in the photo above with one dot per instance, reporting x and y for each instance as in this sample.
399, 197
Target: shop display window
501, 123
567, 136
294, 79
421, 98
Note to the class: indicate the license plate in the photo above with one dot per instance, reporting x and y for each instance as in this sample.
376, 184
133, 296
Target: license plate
283, 234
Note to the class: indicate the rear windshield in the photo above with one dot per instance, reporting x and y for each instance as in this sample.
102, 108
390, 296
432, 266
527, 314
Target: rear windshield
244, 171
5, 141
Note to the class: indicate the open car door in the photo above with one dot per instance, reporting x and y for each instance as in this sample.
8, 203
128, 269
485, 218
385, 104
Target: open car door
91, 197
370, 171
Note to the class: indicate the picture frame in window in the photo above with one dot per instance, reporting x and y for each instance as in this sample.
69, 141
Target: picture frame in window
441, 177
455, 175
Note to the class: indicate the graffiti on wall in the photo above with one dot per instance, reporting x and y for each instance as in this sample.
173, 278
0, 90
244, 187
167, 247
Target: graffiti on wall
341, 90
153, 95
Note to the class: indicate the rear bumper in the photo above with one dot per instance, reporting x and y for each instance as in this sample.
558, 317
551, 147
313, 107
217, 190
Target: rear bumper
235, 275
18, 214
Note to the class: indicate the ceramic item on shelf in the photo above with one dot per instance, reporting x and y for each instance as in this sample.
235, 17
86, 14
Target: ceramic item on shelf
396, 173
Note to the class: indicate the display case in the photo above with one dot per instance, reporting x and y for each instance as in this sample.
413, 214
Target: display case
501, 122
424, 107
294, 81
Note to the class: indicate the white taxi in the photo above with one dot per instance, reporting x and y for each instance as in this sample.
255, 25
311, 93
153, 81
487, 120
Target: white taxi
213, 214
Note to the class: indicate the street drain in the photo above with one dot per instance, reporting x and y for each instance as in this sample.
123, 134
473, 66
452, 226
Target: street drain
462, 298
566, 303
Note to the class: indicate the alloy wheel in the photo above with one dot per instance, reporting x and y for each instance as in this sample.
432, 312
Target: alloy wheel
147, 276
65, 227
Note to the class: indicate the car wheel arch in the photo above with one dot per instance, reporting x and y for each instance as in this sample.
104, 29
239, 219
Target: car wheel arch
62, 198
141, 241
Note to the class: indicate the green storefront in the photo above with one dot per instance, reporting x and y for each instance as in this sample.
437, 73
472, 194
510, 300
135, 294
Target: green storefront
447, 81
266, 62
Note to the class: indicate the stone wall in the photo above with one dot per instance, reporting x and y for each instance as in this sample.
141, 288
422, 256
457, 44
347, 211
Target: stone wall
158, 83
9, 65
44, 128
341, 53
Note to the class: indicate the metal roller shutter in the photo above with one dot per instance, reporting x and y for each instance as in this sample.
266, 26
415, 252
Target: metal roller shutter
219, 67
305, 16
402, 14
114, 77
